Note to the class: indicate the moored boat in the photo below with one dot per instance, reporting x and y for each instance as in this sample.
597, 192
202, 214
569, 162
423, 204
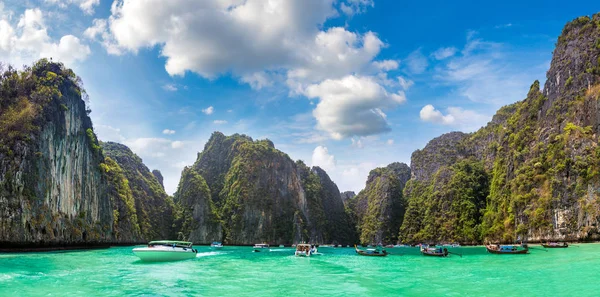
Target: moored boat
373, 252
555, 245
507, 249
304, 250
260, 247
166, 250
216, 245
434, 251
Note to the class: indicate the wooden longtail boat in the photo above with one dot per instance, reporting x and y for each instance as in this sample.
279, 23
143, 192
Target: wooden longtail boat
555, 245
371, 252
434, 251
507, 249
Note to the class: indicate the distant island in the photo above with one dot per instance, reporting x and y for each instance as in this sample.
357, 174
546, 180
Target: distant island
531, 174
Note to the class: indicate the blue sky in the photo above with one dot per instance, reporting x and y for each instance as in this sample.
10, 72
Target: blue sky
348, 85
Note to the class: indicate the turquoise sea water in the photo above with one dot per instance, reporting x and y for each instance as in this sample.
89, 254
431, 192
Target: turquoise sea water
237, 271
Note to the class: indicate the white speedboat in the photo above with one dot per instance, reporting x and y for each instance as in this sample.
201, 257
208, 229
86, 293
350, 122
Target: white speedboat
216, 245
260, 247
166, 250
305, 250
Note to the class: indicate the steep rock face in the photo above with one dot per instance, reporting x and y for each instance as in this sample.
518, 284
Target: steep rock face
52, 190
257, 193
126, 227
159, 177
347, 196
328, 220
447, 207
153, 207
216, 159
200, 218
378, 210
540, 156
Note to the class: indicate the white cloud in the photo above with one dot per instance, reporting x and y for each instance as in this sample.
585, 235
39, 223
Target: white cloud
352, 7
386, 65
170, 87
353, 177
168, 132
444, 53
261, 43
108, 133
257, 80
87, 6
177, 144
417, 63
336, 53
467, 120
29, 41
219, 122
213, 37
357, 143
323, 159
209, 110
485, 73
352, 106
390, 142
429, 114
503, 26
405, 83
99, 31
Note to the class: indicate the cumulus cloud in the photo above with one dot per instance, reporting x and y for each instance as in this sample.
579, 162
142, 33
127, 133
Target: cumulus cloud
208, 111
219, 122
334, 54
466, 120
261, 43
29, 41
168, 132
323, 159
87, 6
212, 37
429, 114
352, 106
444, 53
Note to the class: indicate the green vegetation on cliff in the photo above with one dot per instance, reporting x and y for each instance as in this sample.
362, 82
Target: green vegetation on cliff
378, 210
257, 193
154, 209
50, 178
448, 208
538, 159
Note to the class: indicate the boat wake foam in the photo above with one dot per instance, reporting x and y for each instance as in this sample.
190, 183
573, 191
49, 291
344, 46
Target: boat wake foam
208, 254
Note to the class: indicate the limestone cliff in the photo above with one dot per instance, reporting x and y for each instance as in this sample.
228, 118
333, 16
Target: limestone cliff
52, 190
378, 210
347, 196
154, 209
257, 193
537, 160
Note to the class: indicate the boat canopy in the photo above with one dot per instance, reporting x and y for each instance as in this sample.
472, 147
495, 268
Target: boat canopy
170, 242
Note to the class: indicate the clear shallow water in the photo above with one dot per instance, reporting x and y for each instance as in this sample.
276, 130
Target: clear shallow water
237, 271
